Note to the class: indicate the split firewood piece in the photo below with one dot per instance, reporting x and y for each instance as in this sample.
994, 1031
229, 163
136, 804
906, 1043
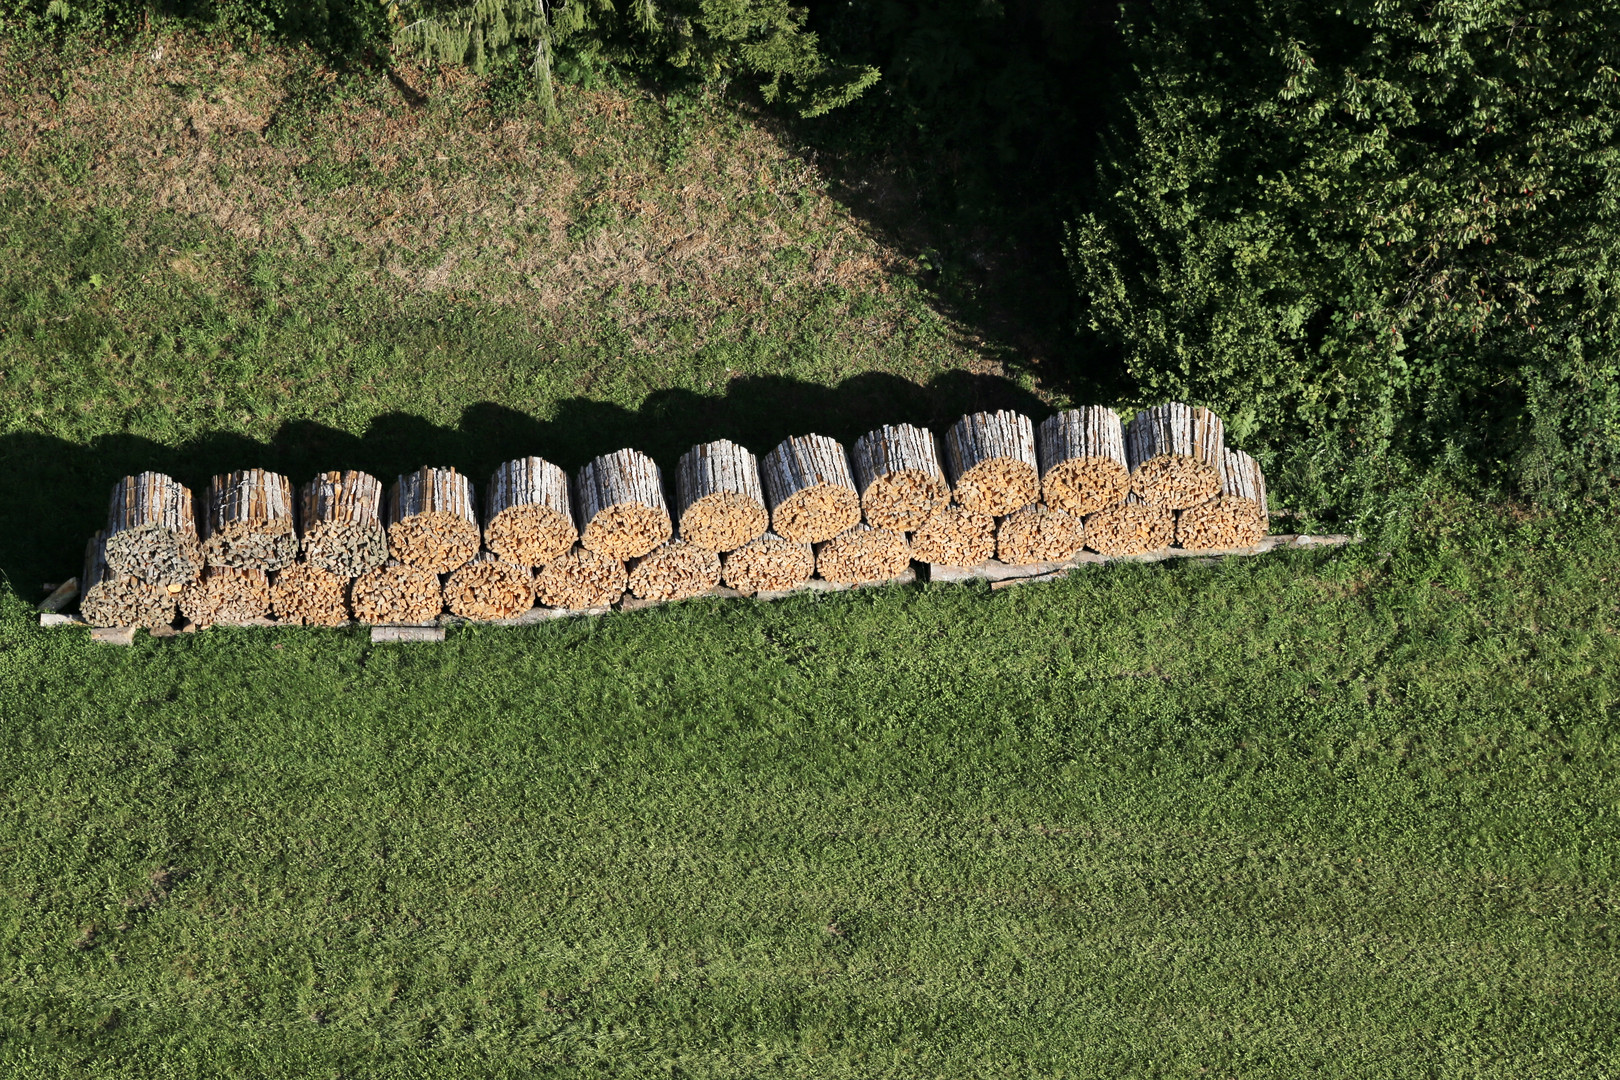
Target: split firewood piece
397, 593
580, 578
955, 536
899, 477
991, 458
1236, 518
310, 596
527, 519
622, 512
1174, 452
810, 490
719, 504
112, 598
1083, 464
863, 554
490, 587
769, 564
248, 521
152, 530
340, 522
1131, 529
675, 571
1039, 533
431, 522
226, 594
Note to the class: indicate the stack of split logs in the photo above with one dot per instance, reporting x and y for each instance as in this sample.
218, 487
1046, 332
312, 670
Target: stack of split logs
252, 548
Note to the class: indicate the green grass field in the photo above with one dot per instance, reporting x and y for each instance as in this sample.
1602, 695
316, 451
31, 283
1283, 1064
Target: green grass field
1345, 813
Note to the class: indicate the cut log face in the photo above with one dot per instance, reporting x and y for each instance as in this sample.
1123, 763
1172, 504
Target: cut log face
490, 587
1132, 529
580, 579
152, 530
810, 489
1174, 452
397, 593
622, 511
309, 596
1038, 534
226, 594
991, 458
1236, 518
527, 517
863, 554
340, 522
248, 521
899, 477
431, 521
719, 502
675, 571
768, 564
110, 598
955, 536
1083, 463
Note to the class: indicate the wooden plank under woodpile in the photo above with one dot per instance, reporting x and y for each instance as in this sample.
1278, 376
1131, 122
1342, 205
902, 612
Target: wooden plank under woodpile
810, 489
675, 571
248, 522
1039, 534
152, 530
768, 564
622, 512
340, 523
527, 519
490, 587
1083, 463
111, 598
1237, 517
863, 554
1131, 529
432, 525
990, 459
397, 592
955, 536
579, 579
226, 594
306, 595
719, 503
899, 477
1174, 452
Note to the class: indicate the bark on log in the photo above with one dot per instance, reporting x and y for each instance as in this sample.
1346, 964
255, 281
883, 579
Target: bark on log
863, 554
991, 462
527, 517
431, 521
397, 593
1131, 529
306, 595
1039, 534
340, 523
579, 579
622, 512
955, 536
152, 530
768, 564
899, 477
677, 570
810, 490
1174, 452
226, 594
1236, 518
1083, 463
248, 521
112, 598
490, 587
719, 503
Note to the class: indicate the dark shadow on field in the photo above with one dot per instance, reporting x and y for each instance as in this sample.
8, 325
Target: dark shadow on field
56, 494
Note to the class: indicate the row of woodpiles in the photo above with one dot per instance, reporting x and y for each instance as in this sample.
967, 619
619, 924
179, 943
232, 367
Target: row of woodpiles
252, 547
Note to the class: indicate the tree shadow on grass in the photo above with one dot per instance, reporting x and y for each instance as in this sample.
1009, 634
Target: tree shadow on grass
59, 490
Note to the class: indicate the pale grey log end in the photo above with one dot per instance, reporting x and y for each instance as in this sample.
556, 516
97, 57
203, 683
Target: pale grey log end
113, 635
54, 618
406, 633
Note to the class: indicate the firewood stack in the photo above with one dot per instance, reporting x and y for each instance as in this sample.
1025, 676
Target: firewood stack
580, 579
769, 564
1039, 534
490, 587
719, 503
527, 519
622, 512
304, 594
955, 536
675, 571
397, 593
431, 522
899, 477
1131, 529
226, 594
810, 490
248, 521
340, 522
991, 462
1083, 463
110, 598
863, 554
152, 531
1174, 452
1235, 518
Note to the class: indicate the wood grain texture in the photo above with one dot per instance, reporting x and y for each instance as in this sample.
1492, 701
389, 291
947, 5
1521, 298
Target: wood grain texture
488, 588
306, 595
527, 516
675, 571
1082, 458
1174, 452
1131, 529
622, 511
226, 594
1237, 517
432, 523
580, 579
955, 536
248, 521
719, 500
862, 554
397, 593
340, 523
810, 489
990, 459
770, 563
1039, 534
151, 530
899, 477
111, 598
